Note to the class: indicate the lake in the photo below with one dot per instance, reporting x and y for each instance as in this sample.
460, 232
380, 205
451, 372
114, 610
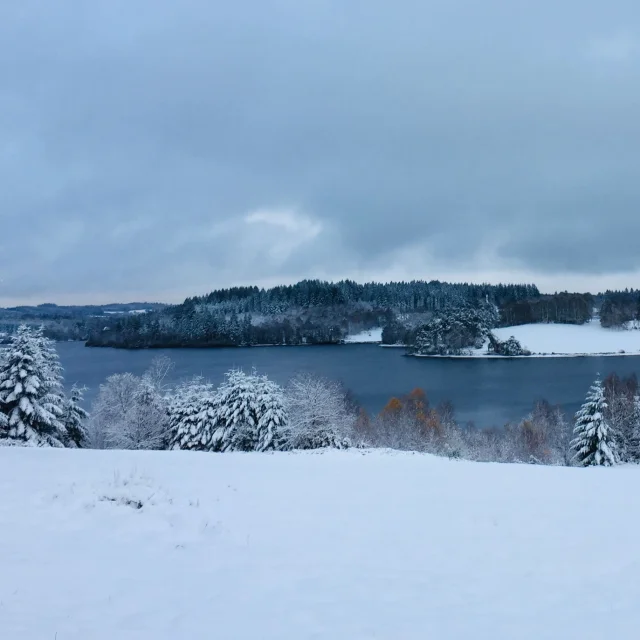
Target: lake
489, 392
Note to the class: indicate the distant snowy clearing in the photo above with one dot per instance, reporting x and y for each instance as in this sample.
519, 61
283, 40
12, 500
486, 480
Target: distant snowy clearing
561, 340
569, 339
358, 544
370, 335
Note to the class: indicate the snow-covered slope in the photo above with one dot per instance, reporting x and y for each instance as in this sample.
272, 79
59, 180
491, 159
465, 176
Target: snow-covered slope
370, 335
133, 545
568, 339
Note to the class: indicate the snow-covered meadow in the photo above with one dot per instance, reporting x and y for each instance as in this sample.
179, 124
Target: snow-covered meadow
340, 544
548, 339
571, 339
365, 337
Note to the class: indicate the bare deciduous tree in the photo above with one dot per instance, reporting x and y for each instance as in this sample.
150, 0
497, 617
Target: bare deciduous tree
318, 414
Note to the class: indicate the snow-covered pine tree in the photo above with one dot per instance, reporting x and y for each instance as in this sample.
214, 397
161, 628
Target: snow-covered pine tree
28, 398
594, 442
51, 367
192, 416
272, 415
75, 417
236, 413
53, 375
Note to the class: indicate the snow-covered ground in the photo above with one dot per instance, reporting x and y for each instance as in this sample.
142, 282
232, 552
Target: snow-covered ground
568, 339
370, 335
133, 545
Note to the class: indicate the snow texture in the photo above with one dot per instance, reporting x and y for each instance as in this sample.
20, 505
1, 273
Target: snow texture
351, 544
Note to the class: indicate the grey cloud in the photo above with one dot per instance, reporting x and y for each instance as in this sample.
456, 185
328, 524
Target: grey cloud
421, 136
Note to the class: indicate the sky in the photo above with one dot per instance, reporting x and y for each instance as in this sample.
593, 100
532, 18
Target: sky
153, 149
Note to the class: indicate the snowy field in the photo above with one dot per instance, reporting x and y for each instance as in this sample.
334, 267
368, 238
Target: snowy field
567, 339
114, 545
370, 335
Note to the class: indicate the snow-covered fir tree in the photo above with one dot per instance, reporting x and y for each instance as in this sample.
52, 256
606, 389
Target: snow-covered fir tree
51, 367
29, 393
250, 413
236, 415
272, 415
594, 442
192, 416
75, 418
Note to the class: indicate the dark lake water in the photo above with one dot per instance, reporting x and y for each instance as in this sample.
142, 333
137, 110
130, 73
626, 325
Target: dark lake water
489, 392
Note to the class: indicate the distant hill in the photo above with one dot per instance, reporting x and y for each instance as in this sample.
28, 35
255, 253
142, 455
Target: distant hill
70, 322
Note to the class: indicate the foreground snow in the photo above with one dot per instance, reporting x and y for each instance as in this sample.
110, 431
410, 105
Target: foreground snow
369, 335
165, 545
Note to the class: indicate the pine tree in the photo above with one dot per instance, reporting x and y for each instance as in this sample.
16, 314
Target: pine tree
192, 414
236, 413
75, 417
28, 397
272, 415
594, 442
250, 414
52, 371
52, 376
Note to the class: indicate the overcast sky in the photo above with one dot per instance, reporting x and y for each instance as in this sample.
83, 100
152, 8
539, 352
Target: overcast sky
153, 149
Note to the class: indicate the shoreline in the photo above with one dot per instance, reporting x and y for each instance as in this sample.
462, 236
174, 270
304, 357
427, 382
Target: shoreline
490, 356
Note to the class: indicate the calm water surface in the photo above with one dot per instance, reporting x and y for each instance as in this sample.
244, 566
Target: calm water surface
486, 391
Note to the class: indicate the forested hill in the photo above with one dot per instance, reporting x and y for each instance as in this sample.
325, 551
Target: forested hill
310, 312
315, 312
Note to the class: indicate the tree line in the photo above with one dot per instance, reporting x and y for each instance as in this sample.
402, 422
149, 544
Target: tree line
250, 412
314, 312
310, 312
620, 308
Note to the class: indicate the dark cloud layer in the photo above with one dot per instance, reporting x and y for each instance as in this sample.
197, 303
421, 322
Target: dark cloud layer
156, 149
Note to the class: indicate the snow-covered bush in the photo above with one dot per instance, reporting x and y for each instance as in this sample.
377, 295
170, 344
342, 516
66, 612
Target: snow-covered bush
318, 414
634, 440
129, 413
620, 396
30, 391
595, 441
192, 416
250, 414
